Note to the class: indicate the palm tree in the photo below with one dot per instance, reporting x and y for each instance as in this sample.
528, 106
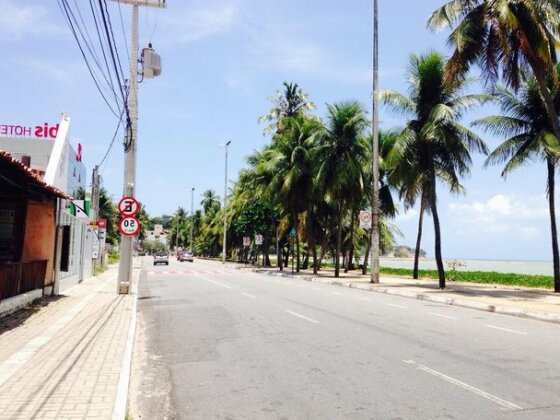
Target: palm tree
209, 199
289, 164
530, 137
341, 153
509, 35
289, 103
432, 145
179, 219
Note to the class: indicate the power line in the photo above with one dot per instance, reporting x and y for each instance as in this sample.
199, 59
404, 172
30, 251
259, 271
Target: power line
64, 7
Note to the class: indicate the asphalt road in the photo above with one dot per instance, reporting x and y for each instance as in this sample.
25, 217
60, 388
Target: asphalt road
217, 343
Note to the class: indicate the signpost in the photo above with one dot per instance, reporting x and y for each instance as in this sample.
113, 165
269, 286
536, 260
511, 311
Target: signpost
129, 226
128, 206
365, 219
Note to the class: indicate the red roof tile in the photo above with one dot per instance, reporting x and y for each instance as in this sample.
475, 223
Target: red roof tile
5, 156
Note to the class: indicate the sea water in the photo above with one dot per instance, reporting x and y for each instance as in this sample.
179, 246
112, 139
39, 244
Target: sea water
500, 266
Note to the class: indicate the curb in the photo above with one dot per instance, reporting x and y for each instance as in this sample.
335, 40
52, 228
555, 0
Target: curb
121, 399
471, 304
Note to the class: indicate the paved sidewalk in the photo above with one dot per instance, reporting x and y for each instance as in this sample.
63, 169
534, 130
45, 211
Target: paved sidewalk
532, 303
64, 360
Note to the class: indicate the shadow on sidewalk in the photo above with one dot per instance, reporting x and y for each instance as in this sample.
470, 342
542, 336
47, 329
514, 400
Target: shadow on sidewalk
20, 317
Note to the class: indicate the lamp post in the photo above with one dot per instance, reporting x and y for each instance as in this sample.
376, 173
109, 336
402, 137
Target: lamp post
375, 155
225, 204
192, 218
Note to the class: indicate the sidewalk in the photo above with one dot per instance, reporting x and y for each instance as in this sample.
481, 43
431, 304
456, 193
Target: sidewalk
538, 304
64, 359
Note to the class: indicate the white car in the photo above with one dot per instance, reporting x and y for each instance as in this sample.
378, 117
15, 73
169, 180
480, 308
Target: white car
161, 258
187, 256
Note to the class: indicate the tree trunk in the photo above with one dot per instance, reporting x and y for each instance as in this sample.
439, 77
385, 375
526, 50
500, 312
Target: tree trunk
311, 240
296, 227
366, 256
278, 251
418, 238
266, 249
439, 261
338, 243
350, 265
553, 230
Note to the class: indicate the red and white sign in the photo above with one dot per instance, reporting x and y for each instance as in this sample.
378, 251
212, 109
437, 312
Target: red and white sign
129, 226
365, 219
128, 206
43, 131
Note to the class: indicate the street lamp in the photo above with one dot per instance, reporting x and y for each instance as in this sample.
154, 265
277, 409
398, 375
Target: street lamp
375, 154
192, 218
225, 204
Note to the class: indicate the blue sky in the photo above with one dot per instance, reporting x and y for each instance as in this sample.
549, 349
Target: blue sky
222, 60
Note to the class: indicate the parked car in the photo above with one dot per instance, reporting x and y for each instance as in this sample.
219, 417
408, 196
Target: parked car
187, 256
161, 258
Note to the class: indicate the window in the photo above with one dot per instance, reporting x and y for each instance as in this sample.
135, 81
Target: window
7, 225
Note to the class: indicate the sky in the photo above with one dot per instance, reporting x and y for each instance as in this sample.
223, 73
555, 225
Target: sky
222, 61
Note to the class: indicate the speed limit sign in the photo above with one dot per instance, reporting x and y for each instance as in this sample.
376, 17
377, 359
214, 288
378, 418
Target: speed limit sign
365, 219
129, 226
128, 206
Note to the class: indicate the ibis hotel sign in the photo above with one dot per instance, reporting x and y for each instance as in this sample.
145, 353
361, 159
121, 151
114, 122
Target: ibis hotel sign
43, 131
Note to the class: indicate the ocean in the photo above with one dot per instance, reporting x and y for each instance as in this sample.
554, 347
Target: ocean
500, 266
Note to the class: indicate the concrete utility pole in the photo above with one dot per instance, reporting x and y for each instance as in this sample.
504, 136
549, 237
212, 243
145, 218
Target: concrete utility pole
95, 185
125, 265
375, 154
192, 219
225, 206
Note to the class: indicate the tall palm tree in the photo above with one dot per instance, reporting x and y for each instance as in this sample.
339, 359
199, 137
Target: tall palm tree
507, 35
341, 166
529, 137
289, 163
432, 145
290, 102
179, 221
209, 200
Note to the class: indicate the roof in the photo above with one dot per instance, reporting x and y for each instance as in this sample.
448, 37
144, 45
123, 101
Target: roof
30, 176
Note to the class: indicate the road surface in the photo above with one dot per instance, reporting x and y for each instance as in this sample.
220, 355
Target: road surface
219, 343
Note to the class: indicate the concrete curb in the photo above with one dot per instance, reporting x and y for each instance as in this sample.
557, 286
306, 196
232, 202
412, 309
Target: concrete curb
121, 399
464, 303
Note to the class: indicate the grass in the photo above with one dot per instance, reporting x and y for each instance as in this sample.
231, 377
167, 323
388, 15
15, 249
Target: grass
99, 269
485, 277
113, 257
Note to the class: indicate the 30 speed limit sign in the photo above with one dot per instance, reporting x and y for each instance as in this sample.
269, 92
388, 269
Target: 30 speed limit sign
129, 226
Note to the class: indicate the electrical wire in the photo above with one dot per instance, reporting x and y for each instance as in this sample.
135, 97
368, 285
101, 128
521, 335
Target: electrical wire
64, 7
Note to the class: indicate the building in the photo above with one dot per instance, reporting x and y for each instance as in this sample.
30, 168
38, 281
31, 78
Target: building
28, 211
158, 234
44, 152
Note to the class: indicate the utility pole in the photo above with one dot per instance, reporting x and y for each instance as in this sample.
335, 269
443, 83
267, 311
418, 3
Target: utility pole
125, 265
375, 154
225, 206
192, 219
95, 181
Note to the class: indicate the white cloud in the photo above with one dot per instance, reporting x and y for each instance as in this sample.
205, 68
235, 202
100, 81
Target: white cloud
410, 214
502, 213
17, 20
201, 21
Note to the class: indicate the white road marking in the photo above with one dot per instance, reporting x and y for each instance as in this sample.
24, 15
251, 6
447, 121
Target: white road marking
443, 316
249, 296
465, 386
364, 299
302, 316
337, 293
217, 283
394, 305
507, 330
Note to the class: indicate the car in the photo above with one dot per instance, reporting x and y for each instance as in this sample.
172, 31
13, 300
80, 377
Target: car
187, 256
161, 258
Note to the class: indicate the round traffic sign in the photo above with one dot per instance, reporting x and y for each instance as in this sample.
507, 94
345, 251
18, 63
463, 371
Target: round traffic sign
129, 226
128, 206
